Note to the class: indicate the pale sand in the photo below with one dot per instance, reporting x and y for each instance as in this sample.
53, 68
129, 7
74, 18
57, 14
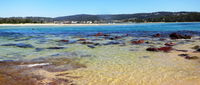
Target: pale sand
114, 65
52, 24
117, 65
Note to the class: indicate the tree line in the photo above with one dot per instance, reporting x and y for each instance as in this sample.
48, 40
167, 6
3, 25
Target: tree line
191, 17
178, 17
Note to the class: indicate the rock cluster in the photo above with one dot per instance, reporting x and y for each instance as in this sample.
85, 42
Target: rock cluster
179, 36
164, 49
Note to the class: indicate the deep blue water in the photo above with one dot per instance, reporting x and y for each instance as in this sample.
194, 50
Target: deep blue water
133, 29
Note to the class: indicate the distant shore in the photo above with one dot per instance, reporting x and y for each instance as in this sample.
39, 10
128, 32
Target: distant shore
53, 24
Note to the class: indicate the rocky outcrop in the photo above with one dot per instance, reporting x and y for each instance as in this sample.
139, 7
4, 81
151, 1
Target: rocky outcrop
137, 42
178, 36
164, 49
170, 44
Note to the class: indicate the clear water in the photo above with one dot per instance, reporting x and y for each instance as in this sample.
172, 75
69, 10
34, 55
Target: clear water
85, 30
114, 64
47, 36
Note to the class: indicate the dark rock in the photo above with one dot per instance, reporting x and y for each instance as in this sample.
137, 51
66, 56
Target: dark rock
157, 35
56, 48
191, 57
99, 34
137, 42
162, 39
39, 49
152, 49
96, 44
170, 44
178, 36
82, 40
196, 47
145, 56
87, 42
106, 35
91, 46
115, 38
63, 40
21, 45
183, 55
198, 50
164, 49
186, 56
182, 50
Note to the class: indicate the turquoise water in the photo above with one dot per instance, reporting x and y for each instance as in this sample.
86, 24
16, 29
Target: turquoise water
20, 42
156, 27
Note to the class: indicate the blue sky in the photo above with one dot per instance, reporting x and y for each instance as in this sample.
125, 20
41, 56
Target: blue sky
54, 8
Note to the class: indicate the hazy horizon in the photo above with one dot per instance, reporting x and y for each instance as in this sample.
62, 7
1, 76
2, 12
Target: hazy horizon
53, 8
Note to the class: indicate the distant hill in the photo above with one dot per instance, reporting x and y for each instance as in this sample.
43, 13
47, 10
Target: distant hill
85, 17
138, 17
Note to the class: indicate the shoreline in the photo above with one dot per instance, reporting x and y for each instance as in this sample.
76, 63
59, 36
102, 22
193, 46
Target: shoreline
52, 24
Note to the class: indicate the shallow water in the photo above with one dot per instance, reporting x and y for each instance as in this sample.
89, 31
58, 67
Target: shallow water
102, 60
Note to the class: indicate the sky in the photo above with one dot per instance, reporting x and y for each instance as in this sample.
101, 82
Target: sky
55, 8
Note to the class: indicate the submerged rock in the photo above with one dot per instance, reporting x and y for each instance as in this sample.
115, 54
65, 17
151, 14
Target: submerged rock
63, 40
113, 43
67, 41
137, 42
87, 42
91, 46
101, 34
157, 35
164, 49
182, 55
152, 49
82, 40
39, 49
182, 50
178, 36
198, 50
191, 57
196, 47
35, 72
170, 44
115, 37
145, 56
187, 56
162, 39
56, 48
21, 45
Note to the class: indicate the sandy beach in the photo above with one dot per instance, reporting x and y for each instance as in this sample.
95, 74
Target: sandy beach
52, 24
